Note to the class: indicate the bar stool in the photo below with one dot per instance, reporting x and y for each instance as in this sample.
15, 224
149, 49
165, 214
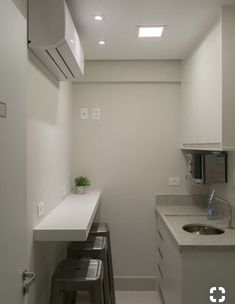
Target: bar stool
102, 229
78, 275
96, 248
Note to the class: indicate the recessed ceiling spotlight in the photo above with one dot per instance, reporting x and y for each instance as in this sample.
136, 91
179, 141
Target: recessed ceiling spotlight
98, 17
150, 31
101, 42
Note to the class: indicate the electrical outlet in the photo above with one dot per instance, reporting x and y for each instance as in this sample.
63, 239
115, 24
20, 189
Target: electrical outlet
96, 113
174, 181
84, 113
40, 209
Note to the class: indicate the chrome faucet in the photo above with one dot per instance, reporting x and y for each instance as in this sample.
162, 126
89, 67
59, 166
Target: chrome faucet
211, 196
219, 199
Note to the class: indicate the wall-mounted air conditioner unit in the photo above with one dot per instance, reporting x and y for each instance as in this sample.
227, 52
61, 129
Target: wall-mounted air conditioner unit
53, 38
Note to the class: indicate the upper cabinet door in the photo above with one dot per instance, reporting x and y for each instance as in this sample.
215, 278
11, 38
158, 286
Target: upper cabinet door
204, 109
209, 95
188, 113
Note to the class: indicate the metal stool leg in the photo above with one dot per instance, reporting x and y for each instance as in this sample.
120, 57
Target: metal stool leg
107, 295
110, 269
102, 229
55, 295
71, 297
96, 294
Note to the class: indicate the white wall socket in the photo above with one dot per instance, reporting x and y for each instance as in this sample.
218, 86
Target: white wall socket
84, 113
95, 113
40, 209
174, 181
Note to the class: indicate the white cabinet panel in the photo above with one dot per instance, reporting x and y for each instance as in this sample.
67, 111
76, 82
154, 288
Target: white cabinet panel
208, 89
186, 276
169, 269
189, 115
201, 93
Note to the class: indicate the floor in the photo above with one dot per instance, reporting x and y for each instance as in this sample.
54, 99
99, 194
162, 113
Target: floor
138, 297
128, 297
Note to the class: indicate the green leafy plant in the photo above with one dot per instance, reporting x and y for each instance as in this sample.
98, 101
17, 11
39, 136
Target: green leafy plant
82, 181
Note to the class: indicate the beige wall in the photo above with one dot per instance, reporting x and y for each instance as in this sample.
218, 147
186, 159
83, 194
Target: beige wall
129, 153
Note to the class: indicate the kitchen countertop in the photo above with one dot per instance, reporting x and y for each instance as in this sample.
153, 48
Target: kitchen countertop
176, 216
71, 220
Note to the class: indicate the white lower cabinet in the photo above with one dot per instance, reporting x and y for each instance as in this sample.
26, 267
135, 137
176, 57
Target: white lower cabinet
169, 266
187, 277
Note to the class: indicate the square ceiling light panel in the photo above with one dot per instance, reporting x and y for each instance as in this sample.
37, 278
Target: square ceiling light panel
150, 31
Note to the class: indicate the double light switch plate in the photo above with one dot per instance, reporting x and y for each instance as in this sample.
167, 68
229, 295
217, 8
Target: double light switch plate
85, 115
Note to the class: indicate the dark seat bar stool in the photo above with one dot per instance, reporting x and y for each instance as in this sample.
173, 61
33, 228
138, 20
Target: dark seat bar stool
102, 229
77, 275
96, 248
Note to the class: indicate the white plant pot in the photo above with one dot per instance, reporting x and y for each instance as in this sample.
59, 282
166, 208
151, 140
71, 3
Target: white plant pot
81, 190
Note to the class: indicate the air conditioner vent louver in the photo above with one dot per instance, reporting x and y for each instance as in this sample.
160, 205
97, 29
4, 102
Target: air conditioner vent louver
65, 63
54, 39
48, 52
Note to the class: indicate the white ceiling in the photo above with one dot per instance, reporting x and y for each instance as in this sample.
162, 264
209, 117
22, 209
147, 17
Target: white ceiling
187, 22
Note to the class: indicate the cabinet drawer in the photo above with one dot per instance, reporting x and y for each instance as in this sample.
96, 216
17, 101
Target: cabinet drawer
160, 290
160, 235
161, 227
162, 283
161, 242
160, 272
162, 266
160, 255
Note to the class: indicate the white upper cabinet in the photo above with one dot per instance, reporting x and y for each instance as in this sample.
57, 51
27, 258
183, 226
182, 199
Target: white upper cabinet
208, 90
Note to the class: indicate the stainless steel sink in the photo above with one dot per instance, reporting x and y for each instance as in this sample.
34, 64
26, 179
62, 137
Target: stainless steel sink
202, 229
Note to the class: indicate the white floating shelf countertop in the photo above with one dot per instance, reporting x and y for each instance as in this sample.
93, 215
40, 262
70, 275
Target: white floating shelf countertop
71, 220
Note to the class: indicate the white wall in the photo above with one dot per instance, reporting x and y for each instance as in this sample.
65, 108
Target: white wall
49, 154
130, 152
13, 195
48, 119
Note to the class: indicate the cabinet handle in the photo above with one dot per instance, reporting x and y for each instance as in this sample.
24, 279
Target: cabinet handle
160, 253
161, 237
160, 271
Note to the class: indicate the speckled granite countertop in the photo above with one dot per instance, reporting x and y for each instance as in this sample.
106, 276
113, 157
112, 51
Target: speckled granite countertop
176, 216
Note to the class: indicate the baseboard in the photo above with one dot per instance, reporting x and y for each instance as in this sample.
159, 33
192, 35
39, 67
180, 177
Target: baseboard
135, 283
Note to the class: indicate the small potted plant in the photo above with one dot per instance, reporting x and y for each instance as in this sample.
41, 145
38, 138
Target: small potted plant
81, 182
